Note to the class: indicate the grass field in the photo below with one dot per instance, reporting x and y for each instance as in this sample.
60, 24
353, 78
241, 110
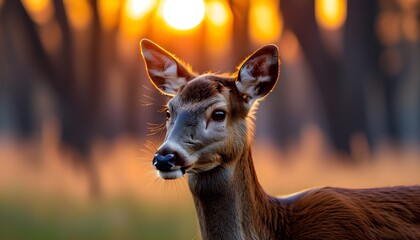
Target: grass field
45, 195
117, 219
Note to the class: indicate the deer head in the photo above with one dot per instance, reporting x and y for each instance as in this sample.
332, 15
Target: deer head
208, 116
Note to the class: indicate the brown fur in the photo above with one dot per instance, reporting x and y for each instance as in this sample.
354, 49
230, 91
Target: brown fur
229, 200
381, 213
243, 211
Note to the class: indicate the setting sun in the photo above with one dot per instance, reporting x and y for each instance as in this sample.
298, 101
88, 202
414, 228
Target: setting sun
183, 14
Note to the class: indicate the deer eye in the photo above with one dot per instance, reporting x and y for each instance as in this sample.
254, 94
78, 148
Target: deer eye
218, 115
168, 115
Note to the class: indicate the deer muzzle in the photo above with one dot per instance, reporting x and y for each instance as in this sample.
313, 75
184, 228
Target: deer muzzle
168, 166
164, 163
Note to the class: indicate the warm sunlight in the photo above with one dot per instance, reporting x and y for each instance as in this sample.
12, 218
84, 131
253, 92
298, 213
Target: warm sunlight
331, 14
135, 9
183, 14
265, 24
79, 13
219, 21
108, 13
36, 5
290, 47
218, 13
40, 10
83, 118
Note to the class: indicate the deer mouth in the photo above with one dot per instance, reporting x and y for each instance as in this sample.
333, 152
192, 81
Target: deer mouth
174, 173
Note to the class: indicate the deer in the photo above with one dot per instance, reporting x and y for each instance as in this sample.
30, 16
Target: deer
210, 133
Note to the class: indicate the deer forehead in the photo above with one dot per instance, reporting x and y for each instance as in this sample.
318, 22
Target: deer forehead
210, 92
203, 90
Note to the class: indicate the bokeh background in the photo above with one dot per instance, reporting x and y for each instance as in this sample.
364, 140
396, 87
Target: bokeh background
79, 118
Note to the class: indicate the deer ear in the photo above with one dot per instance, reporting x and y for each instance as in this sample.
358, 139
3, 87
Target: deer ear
258, 74
166, 72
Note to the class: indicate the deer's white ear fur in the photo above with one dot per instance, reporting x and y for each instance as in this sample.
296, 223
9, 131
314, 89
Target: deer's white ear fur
258, 74
166, 72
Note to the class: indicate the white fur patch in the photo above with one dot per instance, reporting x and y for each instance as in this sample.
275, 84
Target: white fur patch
170, 74
171, 174
171, 68
246, 75
169, 71
172, 85
247, 85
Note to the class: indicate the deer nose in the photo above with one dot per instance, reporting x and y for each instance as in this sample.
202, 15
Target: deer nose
164, 163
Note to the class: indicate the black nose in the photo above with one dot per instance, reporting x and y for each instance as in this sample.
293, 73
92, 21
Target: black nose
164, 163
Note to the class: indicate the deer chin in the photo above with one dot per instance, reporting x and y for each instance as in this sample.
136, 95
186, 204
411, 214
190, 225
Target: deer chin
172, 174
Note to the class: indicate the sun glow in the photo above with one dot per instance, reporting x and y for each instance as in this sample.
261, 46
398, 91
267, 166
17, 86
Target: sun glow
135, 9
108, 12
218, 13
331, 14
41, 11
265, 22
183, 14
219, 26
36, 5
79, 13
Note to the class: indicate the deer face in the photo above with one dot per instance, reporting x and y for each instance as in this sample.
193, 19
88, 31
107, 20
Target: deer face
207, 116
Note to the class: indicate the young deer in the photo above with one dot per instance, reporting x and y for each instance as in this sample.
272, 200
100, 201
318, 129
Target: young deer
209, 136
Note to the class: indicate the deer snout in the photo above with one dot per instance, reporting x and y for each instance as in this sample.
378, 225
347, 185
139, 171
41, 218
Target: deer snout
164, 163
170, 162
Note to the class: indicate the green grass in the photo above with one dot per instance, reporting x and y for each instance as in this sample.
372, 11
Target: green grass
116, 219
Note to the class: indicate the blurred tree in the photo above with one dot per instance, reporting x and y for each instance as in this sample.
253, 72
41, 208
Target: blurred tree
27, 63
79, 73
398, 30
240, 29
340, 80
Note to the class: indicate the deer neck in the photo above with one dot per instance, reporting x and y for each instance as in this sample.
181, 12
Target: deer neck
231, 204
